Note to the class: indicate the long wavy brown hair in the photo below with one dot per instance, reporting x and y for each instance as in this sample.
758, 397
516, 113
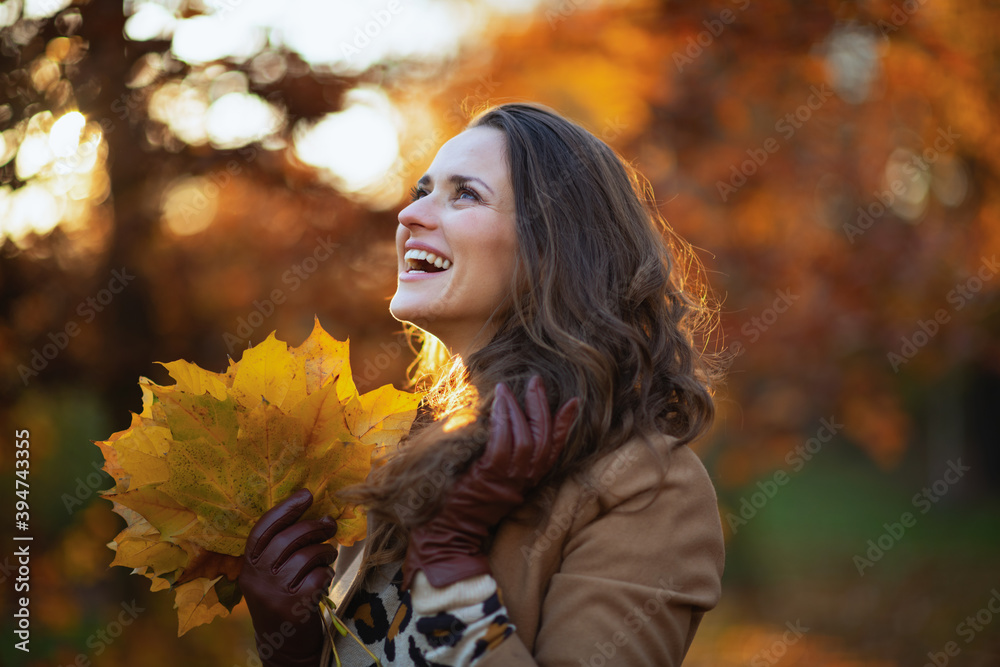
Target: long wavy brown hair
606, 303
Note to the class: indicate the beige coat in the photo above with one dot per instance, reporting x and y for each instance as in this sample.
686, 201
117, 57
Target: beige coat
626, 586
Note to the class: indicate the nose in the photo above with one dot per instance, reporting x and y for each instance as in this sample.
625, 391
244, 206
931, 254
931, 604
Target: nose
419, 213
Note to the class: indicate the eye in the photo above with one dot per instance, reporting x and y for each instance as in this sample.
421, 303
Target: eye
416, 193
463, 191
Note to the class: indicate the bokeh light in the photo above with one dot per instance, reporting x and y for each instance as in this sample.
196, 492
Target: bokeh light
237, 119
61, 162
355, 146
190, 205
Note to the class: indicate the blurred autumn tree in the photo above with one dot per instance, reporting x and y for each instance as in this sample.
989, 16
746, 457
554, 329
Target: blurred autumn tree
179, 178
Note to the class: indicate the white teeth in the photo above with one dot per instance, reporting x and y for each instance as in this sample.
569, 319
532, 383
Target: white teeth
415, 255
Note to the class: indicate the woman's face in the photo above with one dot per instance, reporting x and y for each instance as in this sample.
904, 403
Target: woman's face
463, 213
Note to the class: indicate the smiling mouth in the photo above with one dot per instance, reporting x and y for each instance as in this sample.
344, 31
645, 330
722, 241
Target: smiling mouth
422, 261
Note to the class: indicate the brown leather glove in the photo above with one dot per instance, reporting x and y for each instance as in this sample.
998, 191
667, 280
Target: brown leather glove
285, 571
449, 547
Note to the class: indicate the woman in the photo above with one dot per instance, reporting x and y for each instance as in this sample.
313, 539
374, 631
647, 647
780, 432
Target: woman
508, 536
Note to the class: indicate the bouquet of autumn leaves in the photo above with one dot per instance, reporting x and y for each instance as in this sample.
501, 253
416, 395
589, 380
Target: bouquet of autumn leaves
210, 454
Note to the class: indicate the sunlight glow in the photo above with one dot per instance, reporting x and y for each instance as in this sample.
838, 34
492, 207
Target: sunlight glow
30, 208
32, 156
150, 21
905, 169
853, 62
355, 146
182, 108
237, 119
202, 39
348, 38
512, 6
40, 9
64, 138
10, 12
34, 152
190, 205
345, 37
61, 162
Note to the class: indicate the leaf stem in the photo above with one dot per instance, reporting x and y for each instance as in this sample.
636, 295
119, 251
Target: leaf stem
343, 630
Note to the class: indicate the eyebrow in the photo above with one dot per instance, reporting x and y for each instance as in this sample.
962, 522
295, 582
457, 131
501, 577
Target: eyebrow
455, 178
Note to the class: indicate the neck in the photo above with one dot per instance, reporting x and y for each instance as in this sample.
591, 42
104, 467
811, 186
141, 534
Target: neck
464, 344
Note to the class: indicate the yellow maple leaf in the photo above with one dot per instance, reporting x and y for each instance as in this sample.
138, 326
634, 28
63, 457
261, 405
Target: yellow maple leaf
195, 380
375, 417
140, 546
208, 455
197, 602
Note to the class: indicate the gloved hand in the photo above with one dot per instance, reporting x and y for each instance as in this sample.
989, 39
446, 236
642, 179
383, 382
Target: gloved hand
449, 547
284, 573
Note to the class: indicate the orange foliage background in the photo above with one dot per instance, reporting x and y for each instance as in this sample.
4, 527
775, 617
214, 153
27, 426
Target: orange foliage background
767, 129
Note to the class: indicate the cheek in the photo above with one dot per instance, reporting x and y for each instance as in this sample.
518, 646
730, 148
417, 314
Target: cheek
509, 256
502, 265
400, 240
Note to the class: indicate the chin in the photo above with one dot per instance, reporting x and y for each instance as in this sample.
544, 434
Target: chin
409, 309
